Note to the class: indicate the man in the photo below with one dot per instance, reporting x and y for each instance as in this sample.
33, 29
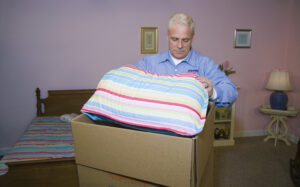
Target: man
181, 58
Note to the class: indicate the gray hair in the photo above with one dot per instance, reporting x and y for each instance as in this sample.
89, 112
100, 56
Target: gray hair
183, 19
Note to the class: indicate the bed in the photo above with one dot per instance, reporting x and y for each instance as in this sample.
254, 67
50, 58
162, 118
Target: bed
44, 155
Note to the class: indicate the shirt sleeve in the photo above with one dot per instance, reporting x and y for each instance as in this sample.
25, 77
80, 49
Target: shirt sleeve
141, 64
223, 85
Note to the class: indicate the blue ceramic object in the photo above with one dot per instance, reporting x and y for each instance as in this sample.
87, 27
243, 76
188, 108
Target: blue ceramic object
278, 100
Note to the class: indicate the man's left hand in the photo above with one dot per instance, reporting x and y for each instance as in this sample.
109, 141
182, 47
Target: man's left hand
207, 85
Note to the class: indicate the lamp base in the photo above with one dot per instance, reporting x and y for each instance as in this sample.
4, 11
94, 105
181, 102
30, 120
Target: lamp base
278, 100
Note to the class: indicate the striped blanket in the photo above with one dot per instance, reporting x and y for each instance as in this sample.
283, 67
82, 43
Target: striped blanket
45, 138
139, 99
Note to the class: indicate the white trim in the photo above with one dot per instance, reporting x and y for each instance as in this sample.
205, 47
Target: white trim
218, 143
239, 134
4, 150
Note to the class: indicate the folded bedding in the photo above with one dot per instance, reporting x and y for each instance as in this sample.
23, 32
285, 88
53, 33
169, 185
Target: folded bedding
45, 138
147, 101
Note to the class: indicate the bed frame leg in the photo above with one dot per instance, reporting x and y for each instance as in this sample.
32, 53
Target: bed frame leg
38, 104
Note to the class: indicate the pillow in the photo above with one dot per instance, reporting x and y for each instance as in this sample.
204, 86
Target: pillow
67, 117
129, 95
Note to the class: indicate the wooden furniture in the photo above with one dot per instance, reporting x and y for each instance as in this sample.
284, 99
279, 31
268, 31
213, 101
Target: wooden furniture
224, 126
49, 172
61, 102
278, 117
295, 167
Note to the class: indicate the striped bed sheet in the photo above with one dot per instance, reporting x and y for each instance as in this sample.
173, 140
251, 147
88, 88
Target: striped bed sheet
45, 138
147, 101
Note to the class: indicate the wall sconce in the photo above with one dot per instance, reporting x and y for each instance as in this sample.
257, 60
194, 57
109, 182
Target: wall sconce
279, 81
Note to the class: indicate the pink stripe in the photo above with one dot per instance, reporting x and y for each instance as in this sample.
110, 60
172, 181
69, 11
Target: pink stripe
49, 123
40, 144
149, 100
140, 122
46, 130
40, 157
42, 132
188, 75
48, 133
174, 108
51, 129
45, 140
136, 68
39, 152
143, 123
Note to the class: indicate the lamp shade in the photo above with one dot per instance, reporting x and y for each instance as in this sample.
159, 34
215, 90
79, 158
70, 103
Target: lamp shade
279, 80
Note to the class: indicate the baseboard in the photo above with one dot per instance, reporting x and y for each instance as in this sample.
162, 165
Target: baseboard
4, 150
239, 134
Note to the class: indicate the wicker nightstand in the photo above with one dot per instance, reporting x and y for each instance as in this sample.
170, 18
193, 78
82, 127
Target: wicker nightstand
278, 117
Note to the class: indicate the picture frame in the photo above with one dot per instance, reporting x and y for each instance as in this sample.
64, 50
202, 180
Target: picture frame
149, 40
242, 38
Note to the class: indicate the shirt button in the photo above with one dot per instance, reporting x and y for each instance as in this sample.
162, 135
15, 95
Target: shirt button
175, 69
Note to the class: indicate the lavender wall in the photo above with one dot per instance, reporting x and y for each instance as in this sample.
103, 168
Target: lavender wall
67, 44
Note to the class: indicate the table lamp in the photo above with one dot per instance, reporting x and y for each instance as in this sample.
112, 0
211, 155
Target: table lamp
279, 81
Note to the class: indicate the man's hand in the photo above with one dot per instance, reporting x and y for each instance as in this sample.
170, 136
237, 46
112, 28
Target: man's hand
207, 85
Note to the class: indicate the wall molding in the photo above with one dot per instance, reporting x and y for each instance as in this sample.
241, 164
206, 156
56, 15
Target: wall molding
239, 134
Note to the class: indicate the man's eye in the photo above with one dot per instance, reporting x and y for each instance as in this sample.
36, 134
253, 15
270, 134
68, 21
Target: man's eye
174, 39
186, 40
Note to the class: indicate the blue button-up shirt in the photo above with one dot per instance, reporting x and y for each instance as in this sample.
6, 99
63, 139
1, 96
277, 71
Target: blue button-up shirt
196, 63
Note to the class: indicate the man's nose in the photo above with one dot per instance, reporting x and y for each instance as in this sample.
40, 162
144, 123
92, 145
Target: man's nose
179, 44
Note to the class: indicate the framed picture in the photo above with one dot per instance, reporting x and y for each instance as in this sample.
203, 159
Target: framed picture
149, 40
242, 38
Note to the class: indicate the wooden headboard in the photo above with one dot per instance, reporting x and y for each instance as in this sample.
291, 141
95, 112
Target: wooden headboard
61, 102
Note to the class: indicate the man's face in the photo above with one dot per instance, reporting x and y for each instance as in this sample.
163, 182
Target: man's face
180, 40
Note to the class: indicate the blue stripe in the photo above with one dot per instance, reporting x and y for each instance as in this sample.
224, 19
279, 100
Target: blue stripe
49, 127
160, 87
150, 77
60, 138
154, 79
148, 117
47, 147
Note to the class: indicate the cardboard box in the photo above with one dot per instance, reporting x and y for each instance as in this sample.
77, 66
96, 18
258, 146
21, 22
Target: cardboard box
156, 158
95, 177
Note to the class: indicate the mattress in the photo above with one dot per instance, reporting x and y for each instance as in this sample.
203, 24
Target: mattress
45, 138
